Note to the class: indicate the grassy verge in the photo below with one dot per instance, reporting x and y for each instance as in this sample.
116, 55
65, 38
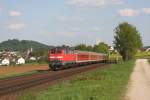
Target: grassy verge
106, 84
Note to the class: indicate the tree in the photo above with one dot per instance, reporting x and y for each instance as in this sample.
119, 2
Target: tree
81, 47
101, 48
127, 40
89, 48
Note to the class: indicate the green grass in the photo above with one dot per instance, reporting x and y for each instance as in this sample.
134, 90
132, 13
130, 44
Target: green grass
115, 57
149, 61
103, 84
143, 54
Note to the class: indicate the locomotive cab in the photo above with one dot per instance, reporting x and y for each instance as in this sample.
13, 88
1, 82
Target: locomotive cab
59, 57
55, 58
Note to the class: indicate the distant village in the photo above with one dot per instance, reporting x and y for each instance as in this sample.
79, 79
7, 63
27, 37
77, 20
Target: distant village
16, 57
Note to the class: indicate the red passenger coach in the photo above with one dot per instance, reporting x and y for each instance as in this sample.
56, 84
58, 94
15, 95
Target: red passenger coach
64, 57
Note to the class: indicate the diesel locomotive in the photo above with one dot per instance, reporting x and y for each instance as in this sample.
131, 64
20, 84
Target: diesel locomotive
64, 57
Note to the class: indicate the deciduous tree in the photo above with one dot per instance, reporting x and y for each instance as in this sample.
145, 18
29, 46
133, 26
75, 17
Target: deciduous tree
127, 40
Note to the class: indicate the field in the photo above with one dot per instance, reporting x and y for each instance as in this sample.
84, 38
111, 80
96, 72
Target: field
143, 54
103, 84
20, 70
139, 55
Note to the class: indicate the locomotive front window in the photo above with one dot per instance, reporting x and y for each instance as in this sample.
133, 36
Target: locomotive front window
69, 51
56, 51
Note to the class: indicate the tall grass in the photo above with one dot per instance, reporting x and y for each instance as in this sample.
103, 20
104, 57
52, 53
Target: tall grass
103, 84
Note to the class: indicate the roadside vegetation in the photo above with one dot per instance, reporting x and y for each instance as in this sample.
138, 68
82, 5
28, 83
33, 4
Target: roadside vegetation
102, 84
143, 54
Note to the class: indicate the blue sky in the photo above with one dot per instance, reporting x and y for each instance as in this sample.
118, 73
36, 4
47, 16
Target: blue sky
71, 22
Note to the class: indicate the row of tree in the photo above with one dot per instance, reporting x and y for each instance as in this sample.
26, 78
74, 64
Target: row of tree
100, 47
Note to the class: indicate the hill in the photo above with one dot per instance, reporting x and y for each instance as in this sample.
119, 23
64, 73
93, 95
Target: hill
21, 45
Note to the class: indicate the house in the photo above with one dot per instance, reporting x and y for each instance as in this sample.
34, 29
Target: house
5, 62
33, 58
111, 48
20, 61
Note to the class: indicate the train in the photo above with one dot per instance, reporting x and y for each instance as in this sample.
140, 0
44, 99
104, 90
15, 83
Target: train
65, 57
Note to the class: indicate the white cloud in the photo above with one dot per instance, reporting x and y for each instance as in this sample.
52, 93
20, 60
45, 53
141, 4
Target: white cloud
129, 12
92, 3
146, 10
15, 13
16, 25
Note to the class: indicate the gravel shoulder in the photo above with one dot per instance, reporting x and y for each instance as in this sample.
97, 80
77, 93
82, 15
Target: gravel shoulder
139, 84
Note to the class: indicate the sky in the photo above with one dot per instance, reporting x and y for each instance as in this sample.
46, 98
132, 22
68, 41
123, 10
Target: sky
71, 22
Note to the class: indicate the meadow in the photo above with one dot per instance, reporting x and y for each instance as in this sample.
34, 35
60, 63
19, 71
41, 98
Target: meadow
102, 84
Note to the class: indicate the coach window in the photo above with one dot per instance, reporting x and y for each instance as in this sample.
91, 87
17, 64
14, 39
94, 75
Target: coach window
70, 52
66, 51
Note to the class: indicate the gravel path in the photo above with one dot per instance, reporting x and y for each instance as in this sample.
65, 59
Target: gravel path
139, 84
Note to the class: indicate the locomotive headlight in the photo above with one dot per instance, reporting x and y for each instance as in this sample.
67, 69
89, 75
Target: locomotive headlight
52, 57
56, 57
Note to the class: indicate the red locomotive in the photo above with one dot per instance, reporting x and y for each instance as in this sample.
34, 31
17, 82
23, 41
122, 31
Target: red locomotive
64, 57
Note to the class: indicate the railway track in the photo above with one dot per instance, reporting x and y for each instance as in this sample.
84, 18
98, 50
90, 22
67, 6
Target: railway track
12, 85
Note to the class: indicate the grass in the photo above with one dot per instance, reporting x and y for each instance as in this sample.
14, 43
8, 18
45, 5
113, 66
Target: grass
103, 84
149, 61
115, 56
143, 54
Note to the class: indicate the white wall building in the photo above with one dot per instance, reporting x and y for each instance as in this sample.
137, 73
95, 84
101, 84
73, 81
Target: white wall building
20, 61
33, 58
5, 62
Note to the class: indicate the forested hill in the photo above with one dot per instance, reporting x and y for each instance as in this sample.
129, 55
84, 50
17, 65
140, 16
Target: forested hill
21, 45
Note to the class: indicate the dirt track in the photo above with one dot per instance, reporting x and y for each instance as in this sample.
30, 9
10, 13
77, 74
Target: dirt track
139, 85
21, 69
